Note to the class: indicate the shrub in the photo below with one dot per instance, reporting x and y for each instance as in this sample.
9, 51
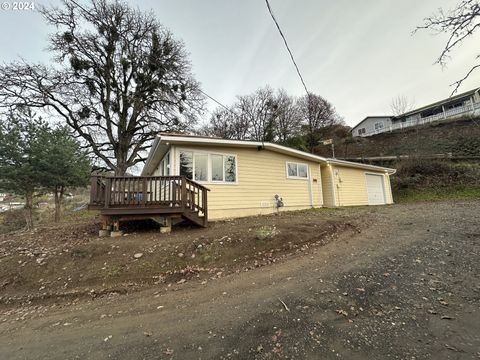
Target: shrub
417, 173
12, 220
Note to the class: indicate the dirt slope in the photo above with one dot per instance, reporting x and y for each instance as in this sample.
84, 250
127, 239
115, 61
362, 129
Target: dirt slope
406, 287
460, 138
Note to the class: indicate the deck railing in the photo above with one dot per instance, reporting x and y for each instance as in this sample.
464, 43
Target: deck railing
148, 192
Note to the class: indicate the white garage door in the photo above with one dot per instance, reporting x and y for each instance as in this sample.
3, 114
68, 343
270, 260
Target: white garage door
375, 190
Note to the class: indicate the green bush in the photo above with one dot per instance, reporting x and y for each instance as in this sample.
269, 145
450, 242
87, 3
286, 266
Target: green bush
415, 173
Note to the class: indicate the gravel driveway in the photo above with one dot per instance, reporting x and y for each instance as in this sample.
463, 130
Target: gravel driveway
405, 287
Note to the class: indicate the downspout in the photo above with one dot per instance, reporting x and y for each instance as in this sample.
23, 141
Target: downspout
334, 192
310, 191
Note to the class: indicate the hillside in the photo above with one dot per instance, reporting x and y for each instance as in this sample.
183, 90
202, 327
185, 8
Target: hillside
461, 138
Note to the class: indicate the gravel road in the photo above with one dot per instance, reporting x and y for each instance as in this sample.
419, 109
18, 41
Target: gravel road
404, 287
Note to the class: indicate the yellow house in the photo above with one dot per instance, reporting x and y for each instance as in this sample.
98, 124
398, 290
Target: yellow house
250, 178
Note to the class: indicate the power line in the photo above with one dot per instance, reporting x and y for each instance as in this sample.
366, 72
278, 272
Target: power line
286, 44
218, 102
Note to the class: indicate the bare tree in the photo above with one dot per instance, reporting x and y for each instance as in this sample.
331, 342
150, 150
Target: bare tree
266, 115
259, 111
118, 78
401, 105
288, 122
226, 124
316, 114
459, 23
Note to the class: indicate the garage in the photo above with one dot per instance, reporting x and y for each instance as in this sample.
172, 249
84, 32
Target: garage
375, 189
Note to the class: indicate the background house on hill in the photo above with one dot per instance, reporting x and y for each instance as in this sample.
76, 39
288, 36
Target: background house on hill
464, 104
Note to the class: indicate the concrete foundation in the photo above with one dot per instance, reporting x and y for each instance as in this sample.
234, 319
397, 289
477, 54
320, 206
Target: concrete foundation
166, 229
103, 233
116, 233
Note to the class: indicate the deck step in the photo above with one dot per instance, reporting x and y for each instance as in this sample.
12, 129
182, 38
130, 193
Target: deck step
193, 216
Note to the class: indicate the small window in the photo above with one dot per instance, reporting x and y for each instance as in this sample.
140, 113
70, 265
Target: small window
302, 171
292, 169
361, 131
296, 170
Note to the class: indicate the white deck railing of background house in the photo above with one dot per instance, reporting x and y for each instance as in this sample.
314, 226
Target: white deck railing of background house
441, 116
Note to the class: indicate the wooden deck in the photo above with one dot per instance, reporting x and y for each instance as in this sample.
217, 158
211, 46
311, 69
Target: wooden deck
136, 197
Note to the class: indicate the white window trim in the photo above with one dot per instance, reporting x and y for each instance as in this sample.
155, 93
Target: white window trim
209, 166
297, 177
161, 164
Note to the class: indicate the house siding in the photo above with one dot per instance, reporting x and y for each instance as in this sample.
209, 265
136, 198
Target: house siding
260, 175
328, 192
351, 188
369, 125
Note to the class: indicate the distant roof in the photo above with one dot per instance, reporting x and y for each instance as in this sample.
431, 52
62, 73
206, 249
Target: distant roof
373, 117
441, 102
163, 141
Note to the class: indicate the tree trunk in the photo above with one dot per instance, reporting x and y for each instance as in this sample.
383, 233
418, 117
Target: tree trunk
122, 166
57, 206
29, 209
59, 190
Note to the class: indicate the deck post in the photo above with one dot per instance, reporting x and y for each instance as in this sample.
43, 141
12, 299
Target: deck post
108, 190
167, 225
144, 191
205, 207
93, 188
184, 193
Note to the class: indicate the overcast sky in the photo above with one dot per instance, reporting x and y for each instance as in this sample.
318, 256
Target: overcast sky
357, 54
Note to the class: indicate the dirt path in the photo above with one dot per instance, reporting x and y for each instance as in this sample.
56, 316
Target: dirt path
406, 287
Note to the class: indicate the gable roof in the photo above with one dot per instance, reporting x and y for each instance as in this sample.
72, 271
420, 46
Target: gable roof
163, 141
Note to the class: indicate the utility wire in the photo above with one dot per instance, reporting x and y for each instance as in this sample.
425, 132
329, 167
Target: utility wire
286, 44
218, 102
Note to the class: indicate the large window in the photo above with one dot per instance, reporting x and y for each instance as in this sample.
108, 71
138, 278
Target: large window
186, 164
217, 167
203, 167
379, 126
297, 170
